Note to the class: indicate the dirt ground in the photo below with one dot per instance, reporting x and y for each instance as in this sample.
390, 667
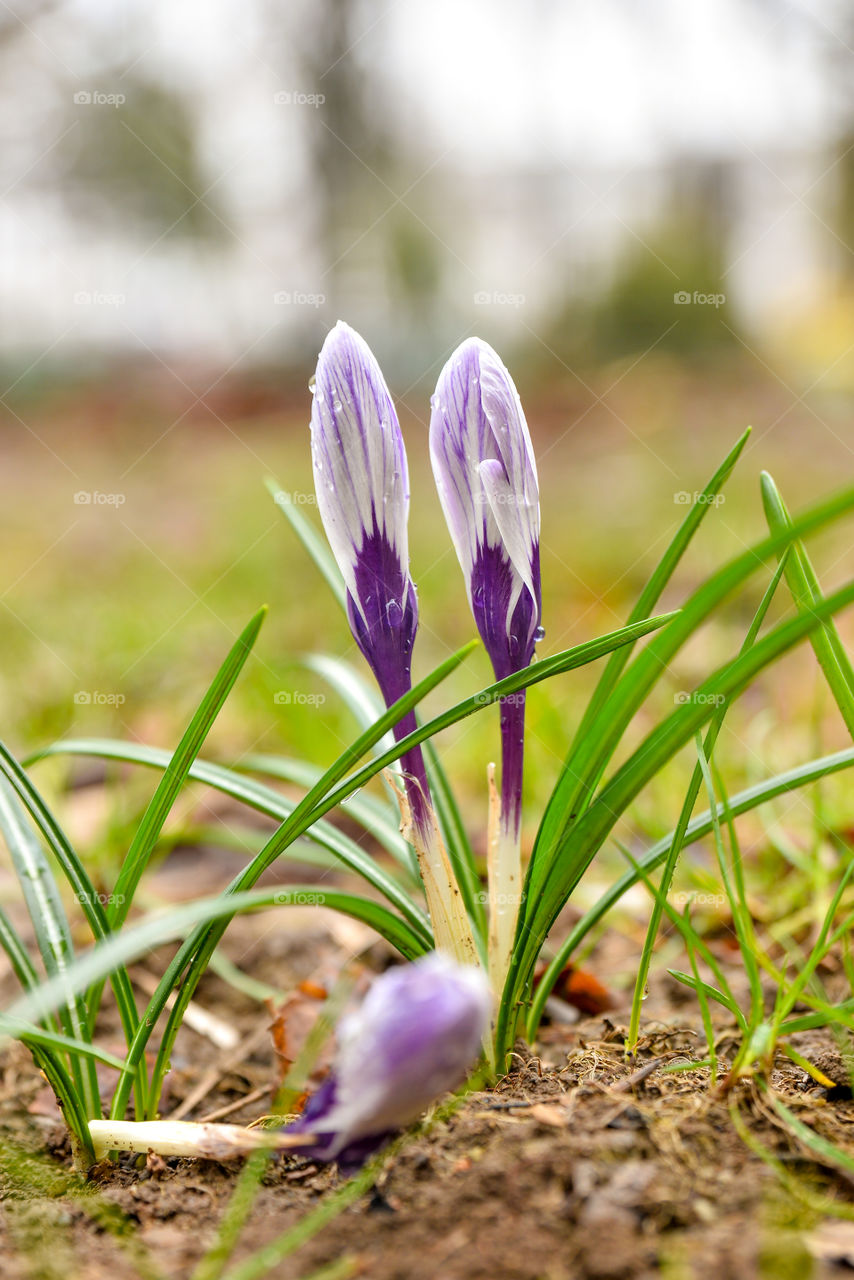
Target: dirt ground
577, 1165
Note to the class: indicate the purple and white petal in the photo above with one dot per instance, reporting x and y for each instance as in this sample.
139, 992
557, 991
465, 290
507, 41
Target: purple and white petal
486, 476
362, 483
415, 1036
360, 471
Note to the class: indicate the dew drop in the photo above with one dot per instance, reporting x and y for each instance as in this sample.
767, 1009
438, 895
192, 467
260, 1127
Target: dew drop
539, 634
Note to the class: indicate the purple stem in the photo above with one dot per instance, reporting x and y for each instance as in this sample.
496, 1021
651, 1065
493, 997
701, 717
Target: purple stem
512, 712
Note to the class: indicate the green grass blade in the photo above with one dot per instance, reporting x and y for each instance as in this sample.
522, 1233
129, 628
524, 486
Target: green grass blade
53, 934
310, 539
743, 802
583, 769
69, 1100
712, 993
176, 773
139, 939
734, 890
653, 589
806, 593
580, 841
551, 975
75, 874
370, 813
265, 800
28, 1033
19, 957
819, 1146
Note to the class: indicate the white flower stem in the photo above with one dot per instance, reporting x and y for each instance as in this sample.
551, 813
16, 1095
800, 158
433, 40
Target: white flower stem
186, 1138
504, 878
448, 915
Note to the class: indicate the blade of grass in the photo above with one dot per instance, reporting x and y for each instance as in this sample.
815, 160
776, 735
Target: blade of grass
827, 1151
578, 844
656, 584
310, 539
265, 800
177, 771
53, 934
584, 767
29, 1034
74, 872
550, 977
138, 939
743, 802
806, 593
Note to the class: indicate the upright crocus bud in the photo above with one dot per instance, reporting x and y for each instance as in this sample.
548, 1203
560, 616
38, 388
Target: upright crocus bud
362, 484
416, 1034
486, 475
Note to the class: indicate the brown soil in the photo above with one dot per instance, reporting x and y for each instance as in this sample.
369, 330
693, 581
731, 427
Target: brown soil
578, 1164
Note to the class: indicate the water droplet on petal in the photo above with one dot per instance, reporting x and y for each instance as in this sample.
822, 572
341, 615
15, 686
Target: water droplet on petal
539, 634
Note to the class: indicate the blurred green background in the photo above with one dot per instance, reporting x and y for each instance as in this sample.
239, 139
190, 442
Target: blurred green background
650, 217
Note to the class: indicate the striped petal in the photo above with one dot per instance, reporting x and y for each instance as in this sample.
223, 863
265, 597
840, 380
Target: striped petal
486, 475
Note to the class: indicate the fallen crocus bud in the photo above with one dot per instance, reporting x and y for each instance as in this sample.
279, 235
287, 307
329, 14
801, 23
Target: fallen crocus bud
415, 1036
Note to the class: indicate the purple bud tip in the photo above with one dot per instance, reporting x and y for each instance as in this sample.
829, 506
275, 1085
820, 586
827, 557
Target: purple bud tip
486, 475
415, 1036
362, 484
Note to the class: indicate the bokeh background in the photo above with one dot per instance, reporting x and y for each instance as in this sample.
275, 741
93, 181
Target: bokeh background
648, 210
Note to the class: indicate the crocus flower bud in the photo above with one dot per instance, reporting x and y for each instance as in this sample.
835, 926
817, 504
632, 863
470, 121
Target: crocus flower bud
486, 476
415, 1036
362, 485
